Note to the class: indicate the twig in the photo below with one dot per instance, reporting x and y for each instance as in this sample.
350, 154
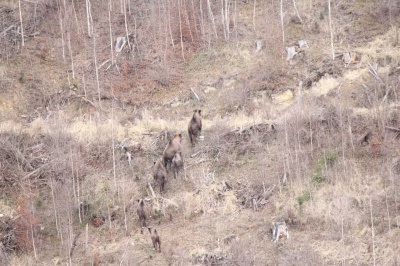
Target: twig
393, 128
102, 64
372, 232
151, 190
195, 95
195, 154
372, 70
5, 31
366, 87
201, 161
35, 171
170, 202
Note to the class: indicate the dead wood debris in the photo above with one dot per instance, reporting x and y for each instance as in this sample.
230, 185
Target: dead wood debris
209, 259
251, 197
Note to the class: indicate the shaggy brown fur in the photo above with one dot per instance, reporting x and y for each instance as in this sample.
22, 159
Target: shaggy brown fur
173, 146
142, 214
177, 163
160, 174
195, 125
155, 238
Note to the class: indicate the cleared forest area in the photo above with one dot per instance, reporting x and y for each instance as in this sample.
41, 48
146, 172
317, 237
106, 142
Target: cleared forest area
300, 124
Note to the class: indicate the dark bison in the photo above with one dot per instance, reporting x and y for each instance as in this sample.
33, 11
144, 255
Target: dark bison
142, 214
155, 238
173, 146
177, 163
195, 125
160, 174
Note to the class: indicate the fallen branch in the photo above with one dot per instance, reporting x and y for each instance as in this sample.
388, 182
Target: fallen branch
5, 31
152, 191
102, 64
37, 170
393, 128
195, 95
149, 134
170, 202
373, 72
195, 154
87, 100
201, 161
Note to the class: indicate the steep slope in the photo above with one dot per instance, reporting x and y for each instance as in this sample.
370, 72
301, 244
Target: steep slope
325, 160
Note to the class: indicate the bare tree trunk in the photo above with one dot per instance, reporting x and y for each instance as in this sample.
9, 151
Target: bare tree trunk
165, 30
31, 224
126, 27
211, 16
188, 20
169, 25
330, 28
297, 12
180, 28
129, 7
55, 211
135, 37
111, 36
227, 19
254, 15
22, 26
76, 17
34, 15
70, 238
71, 55
234, 21
73, 178
282, 25
96, 69
88, 18
201, 19
223, 19
86, 235
195, 19
372, 232
113, 145
78, 197
62, 31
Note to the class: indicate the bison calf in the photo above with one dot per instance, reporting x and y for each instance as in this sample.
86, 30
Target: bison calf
142, 214
177, 163
173, 146
160, 174
155, 238
195, 125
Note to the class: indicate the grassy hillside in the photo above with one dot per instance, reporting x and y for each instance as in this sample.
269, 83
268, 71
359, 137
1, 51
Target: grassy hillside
311, 141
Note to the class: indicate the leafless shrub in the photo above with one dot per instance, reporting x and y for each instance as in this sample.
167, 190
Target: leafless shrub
208, 259
4, 257
7, 237
239, 254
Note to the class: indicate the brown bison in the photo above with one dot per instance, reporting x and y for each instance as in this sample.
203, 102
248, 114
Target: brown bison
195, 125
177, 163
160, 174
173, 146
155, 238
142, 214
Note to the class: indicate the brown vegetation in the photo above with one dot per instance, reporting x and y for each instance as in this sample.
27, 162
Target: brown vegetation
324, 158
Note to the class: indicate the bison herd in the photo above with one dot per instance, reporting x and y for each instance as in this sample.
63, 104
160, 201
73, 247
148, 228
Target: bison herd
172, 155
171, 160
